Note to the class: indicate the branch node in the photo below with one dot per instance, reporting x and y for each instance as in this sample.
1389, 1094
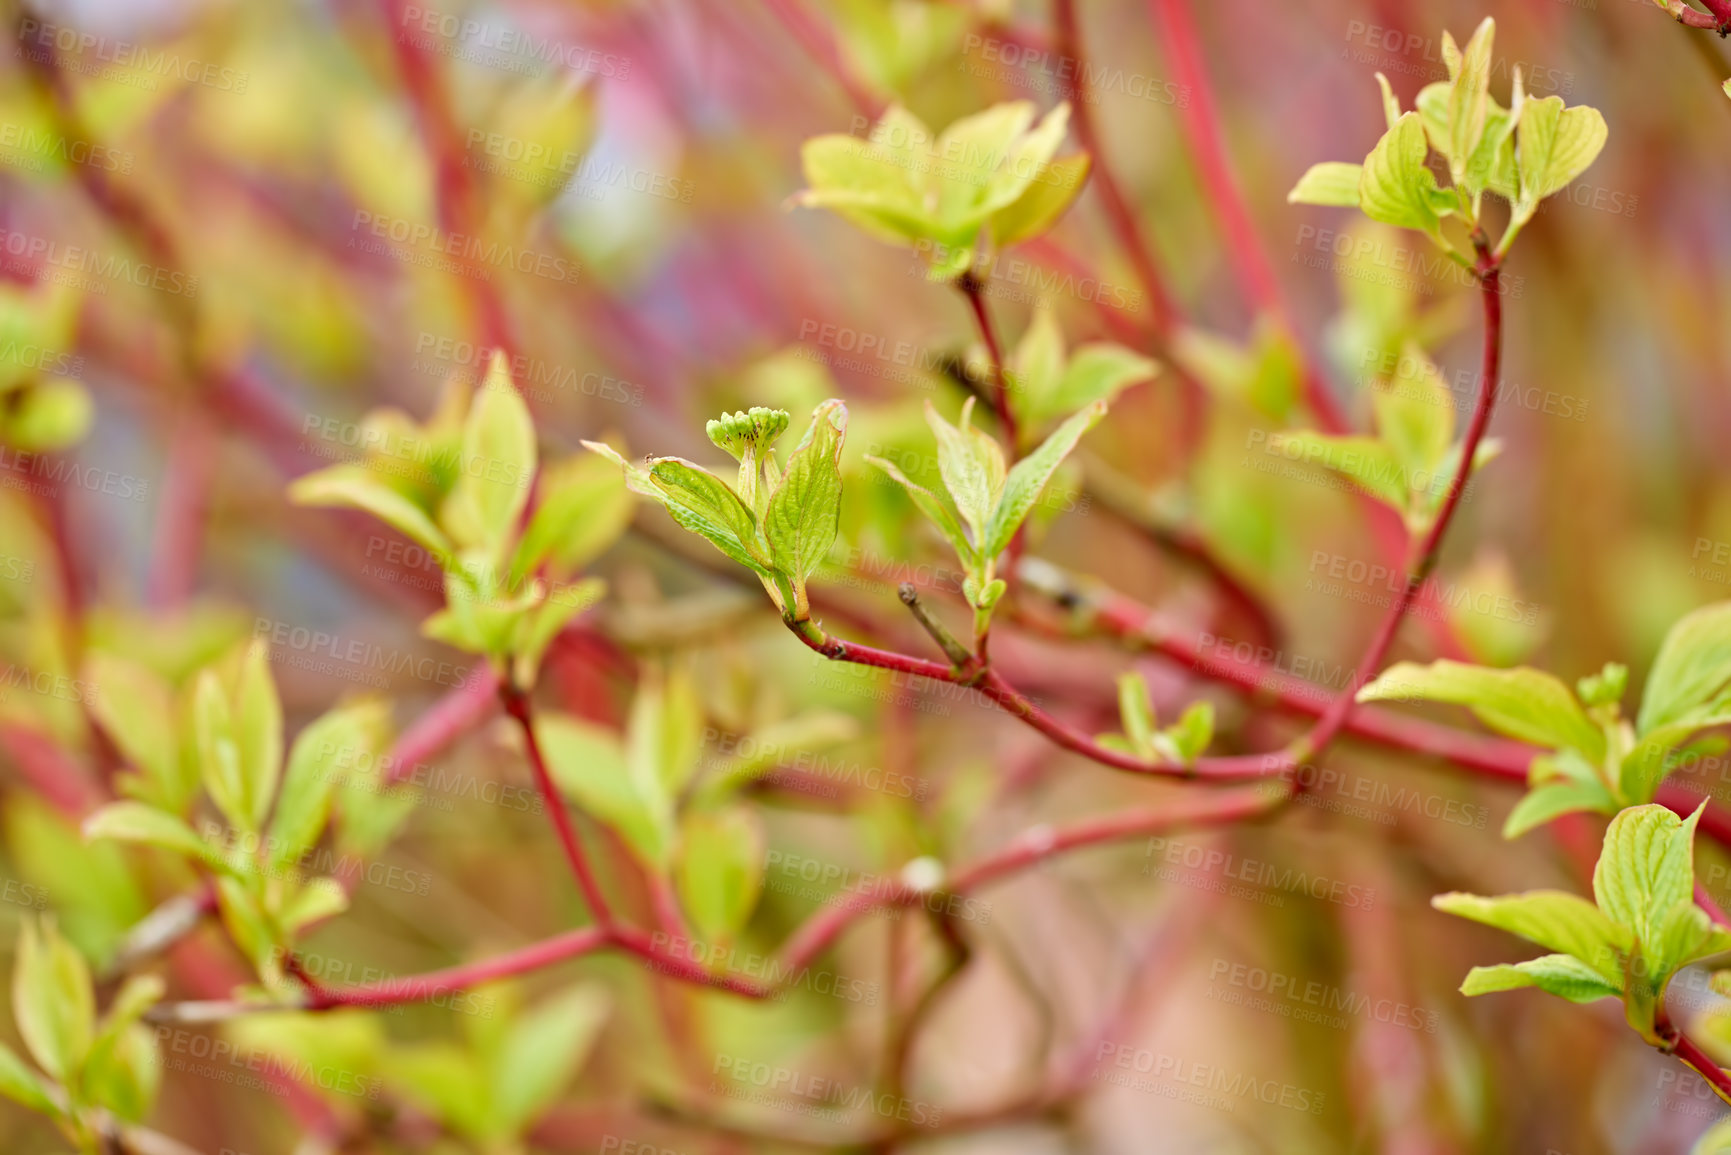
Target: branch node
960, 657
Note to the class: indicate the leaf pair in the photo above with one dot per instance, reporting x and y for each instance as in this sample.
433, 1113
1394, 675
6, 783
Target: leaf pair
1642, 928
275, 814
1180, 743
458, 487
647, 790
991, 173
110, 1065
1595, 760
987, 500
1523, 153
782, 520
1412, 461
1047, 382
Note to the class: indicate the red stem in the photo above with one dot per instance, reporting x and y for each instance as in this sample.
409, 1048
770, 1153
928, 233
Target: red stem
452, 716
517, 705
1702, 1064
1112, 199
975, 293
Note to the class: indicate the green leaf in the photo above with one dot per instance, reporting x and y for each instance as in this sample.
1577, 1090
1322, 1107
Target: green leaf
972, 467
445, 1081
719, 870
665, 732
867, 184
1396, 188
545, 623
319, 899
1554, 145
1052, 191
135, 708
1332, 182
1469, 96
142, 823
1037, 366
935, 508
1026, 481
1524, 704
701, 503
1552, 799
249, 928
804, 510
498, 458
1559, 974
258, 733
1692, 667
1415, 416
1098, 371
127, 1080
1646, 867
1716, 1140
52, 1000
589, 765
338, 741
1136, 712
20, 1084
1365, 461
1604, 688
1188, 737
1554, 919
354, 487
219, 756
583, 511
541, 1054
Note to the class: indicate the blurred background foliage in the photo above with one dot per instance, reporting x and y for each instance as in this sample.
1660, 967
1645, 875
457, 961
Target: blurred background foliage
231, 230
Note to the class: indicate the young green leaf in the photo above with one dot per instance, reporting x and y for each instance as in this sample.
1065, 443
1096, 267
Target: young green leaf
498, 459
588, 764
719, 870
972, 468
1136, 712
1022, 488
804, 511
52, 1000
1052, 191
1525, 704
258, 733
1469, 95
136, 709
1552, 799
1554, 919
343, 740
1331, 182
22, 1085
582, 512
1559, 974
355, 487
1646, 868
317, 900
1396, 187
1693, 666
701, 503
1554, 145
144, 824
936, 509
540, 1055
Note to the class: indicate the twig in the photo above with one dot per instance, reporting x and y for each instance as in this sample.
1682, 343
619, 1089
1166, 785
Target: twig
517, 705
